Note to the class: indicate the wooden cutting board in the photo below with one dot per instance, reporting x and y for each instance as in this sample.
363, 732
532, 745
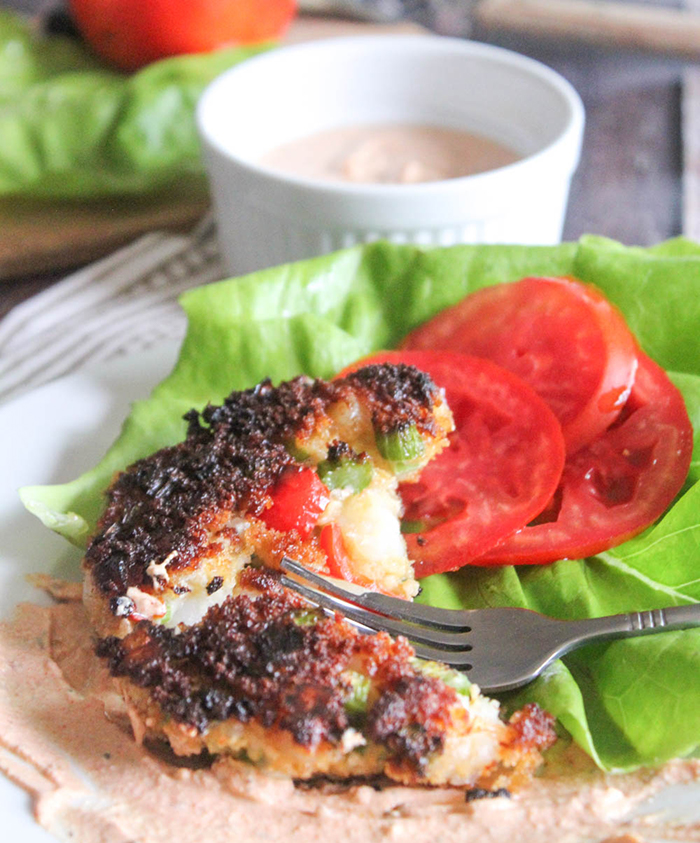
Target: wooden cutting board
36, 237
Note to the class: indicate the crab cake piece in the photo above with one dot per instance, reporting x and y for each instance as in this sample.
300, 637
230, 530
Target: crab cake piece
307, 469
267, 679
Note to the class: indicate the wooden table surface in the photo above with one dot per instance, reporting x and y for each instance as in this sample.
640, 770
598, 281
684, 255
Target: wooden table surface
629, 185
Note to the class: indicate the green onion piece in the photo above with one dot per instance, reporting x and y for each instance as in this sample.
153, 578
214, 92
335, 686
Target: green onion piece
403, 448
409, 526
452, 678
356, 702
242, 755
166, 617
307, 617
346, 473
299, 454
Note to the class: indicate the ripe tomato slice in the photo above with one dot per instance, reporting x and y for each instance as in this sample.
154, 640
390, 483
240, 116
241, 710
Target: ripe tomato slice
559, 335
298, 498
502, 467
617, 485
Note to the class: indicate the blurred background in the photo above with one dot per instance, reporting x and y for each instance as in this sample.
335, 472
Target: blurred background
637, 181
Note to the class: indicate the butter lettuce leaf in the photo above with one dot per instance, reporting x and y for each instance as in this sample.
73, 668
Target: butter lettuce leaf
627, 703
72, 128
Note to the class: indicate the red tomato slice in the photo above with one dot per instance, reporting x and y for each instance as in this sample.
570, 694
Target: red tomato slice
298, 499
502, 467
616, 486
560, 336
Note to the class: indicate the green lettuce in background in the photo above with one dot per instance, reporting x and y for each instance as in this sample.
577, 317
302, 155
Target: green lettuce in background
627, 703
71, 128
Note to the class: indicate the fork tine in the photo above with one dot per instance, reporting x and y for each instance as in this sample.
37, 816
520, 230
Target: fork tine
393, 607
370, 620
458, 659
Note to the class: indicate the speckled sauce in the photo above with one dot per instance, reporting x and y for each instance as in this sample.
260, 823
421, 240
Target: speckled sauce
65, 738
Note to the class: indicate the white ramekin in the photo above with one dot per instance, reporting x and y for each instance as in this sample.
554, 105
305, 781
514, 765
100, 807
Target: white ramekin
266, 217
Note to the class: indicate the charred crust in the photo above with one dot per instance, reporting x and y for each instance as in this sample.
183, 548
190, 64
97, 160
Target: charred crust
214, 584
398, 395
248, 659
533, 728
330, 784
232, 456
339, 451
412, 718
476, 793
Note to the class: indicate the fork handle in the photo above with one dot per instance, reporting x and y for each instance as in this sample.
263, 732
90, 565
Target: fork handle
632, 624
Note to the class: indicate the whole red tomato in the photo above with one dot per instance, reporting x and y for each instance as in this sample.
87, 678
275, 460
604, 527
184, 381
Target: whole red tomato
132, 33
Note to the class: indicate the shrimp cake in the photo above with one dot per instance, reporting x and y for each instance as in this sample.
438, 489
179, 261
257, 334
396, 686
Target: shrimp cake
183, 588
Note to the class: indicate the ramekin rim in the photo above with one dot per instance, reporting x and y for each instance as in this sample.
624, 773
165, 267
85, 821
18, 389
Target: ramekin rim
570, 134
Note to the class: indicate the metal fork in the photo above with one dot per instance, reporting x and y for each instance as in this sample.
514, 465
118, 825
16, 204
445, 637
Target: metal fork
499, 649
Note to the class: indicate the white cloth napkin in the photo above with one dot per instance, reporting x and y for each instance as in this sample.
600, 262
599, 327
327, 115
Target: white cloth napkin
123, 303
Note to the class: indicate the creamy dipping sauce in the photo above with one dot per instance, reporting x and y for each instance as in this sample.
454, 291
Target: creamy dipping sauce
389, 154
65, 738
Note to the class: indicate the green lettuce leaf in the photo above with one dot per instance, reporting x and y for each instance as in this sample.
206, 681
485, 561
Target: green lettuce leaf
26, 60
72, 128
317, 316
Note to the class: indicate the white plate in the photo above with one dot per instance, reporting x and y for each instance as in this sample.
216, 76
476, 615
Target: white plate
52, 435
